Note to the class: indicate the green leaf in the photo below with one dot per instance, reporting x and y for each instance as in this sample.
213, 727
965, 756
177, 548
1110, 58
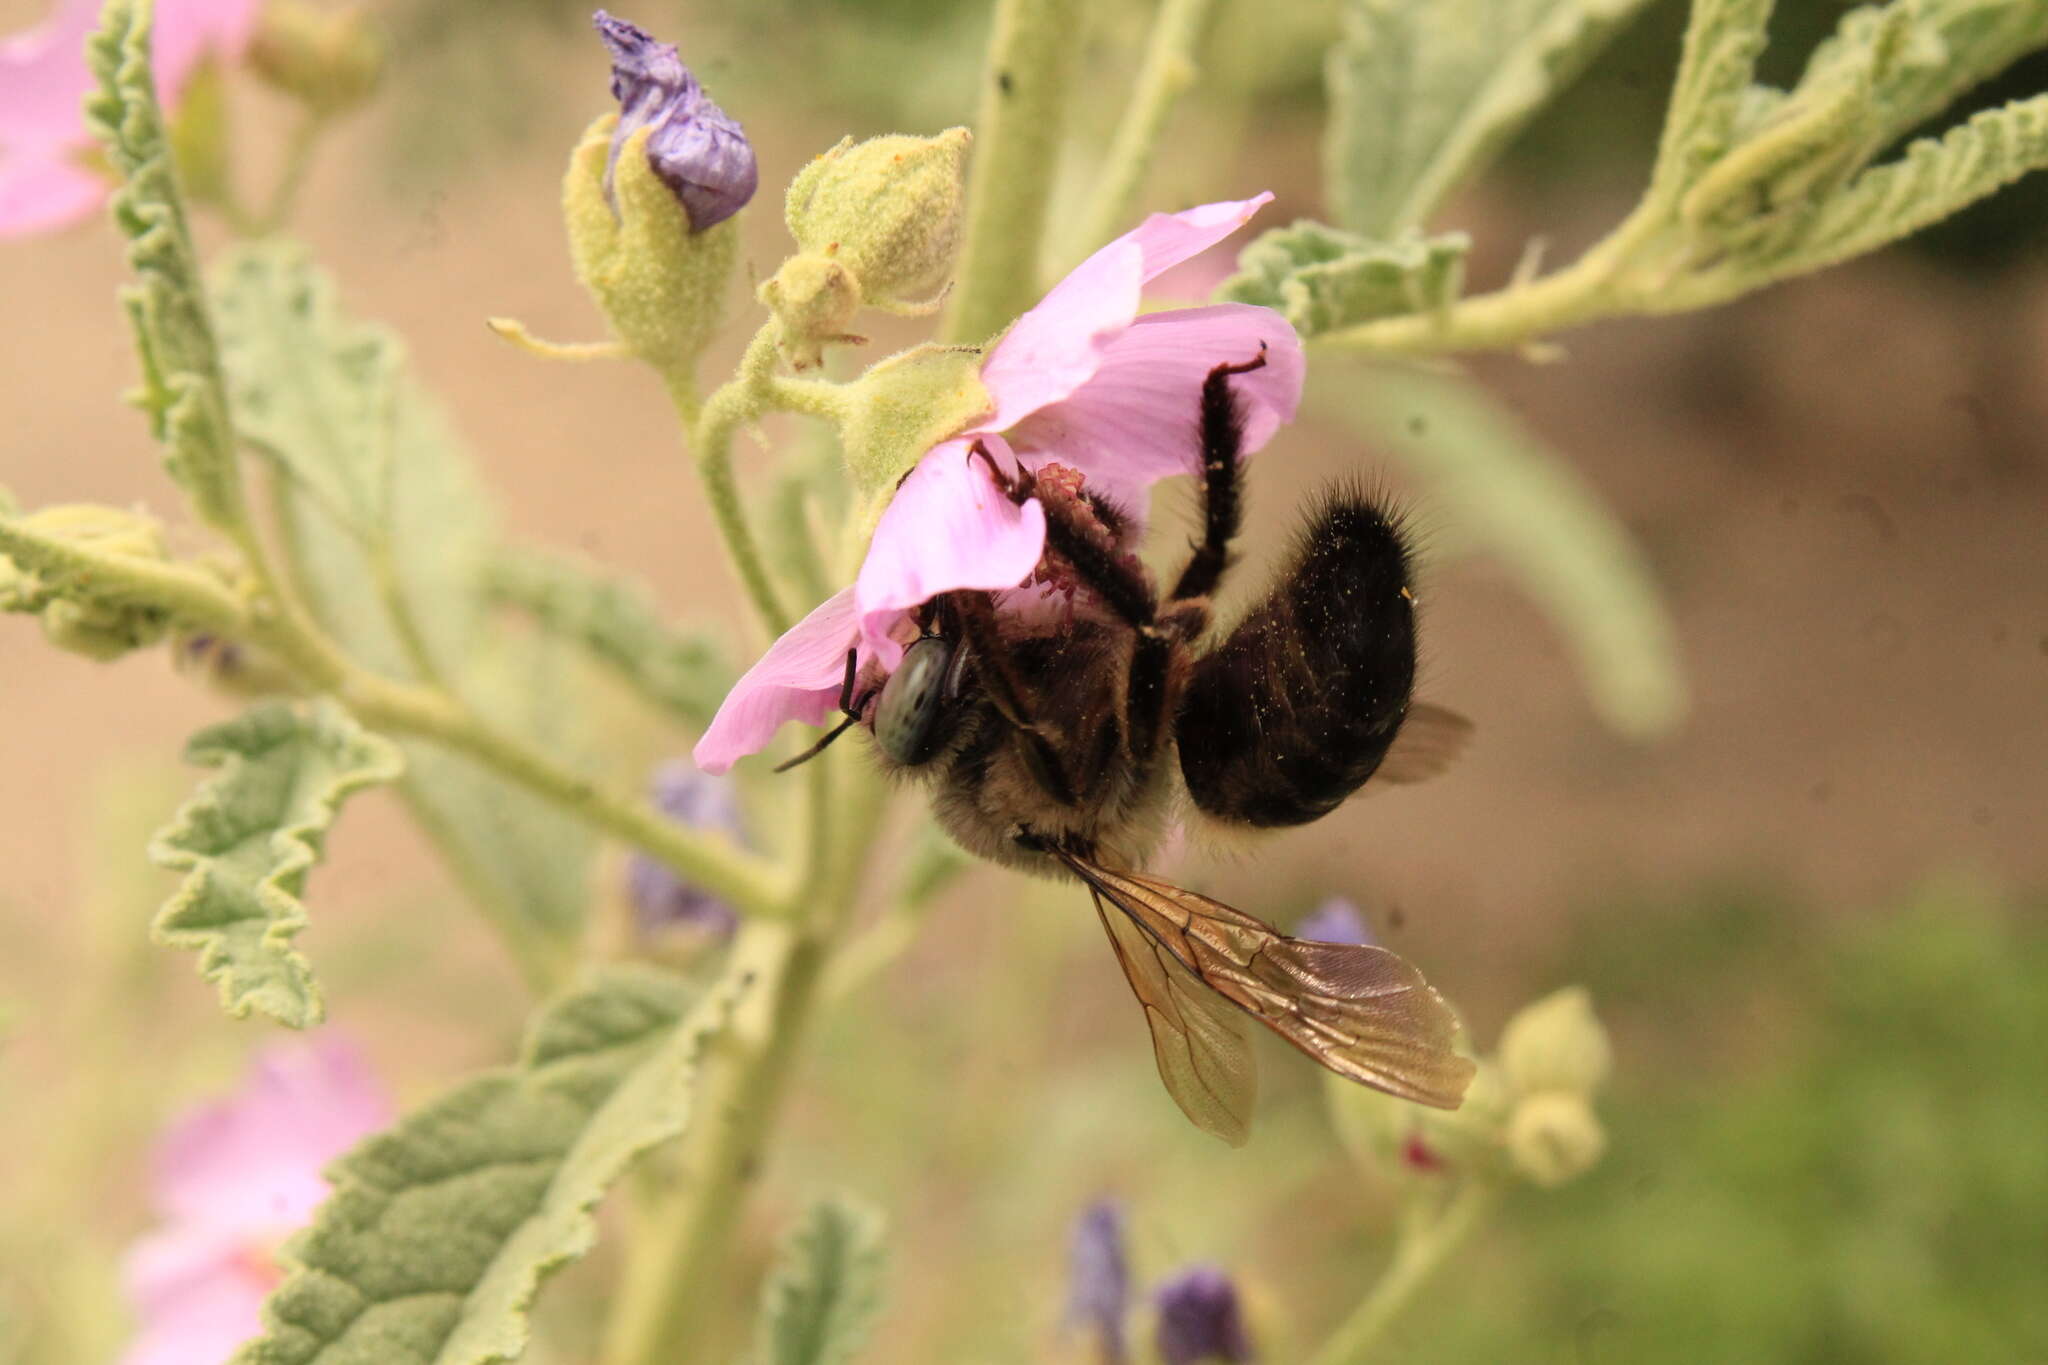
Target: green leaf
440, 1231
1722, 41
1956, 44
615, 619
315, 392
1935, 178
385, 511
822, 1298
181, 389
1509, 494
246, 842
1424, 93
1323, 279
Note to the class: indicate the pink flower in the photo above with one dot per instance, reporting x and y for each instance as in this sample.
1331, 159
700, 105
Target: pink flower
231, 1180
1080, 380
43, 84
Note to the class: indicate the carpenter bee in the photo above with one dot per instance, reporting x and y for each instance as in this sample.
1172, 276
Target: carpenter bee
1060, 742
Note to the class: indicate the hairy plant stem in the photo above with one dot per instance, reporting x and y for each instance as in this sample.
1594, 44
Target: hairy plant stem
739, 400
1168, 70
1427, 1240
678, 1274
1017, 141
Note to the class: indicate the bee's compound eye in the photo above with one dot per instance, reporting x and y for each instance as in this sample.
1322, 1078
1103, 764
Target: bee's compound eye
906, 717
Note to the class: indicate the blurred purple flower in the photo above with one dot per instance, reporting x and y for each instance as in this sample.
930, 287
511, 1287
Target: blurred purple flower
1336, 920
1200, 1318
1099, 1278
1080, 381
44, 181
230, 1180
696, 148
661, 900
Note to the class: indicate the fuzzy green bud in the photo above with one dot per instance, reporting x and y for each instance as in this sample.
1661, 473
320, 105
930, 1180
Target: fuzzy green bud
1554, 1137
97, 629
882, 216
1556, 1043
1383, 1133
659, 284
905, 405
328, 60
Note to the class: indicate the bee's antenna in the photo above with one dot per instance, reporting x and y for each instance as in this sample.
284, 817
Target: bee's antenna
849, 706
819, 748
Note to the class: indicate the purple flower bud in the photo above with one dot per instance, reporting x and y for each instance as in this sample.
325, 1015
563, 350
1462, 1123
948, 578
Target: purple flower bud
660, 899
1099, 1278
696, 148
1336, 920
1200, 1320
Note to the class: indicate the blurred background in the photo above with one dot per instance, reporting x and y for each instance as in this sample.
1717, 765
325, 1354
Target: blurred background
1811, 915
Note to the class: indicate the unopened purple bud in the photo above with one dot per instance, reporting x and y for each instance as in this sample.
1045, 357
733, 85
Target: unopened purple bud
661, 900
1336, 920
1200, 1319
1099, 1279
696, 149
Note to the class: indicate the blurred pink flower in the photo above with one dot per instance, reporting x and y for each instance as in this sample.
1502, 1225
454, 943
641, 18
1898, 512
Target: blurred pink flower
1080, 380
231, 1180
44, 183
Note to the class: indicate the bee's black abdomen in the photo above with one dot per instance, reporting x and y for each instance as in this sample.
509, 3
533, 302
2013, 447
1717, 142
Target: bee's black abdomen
1297, 708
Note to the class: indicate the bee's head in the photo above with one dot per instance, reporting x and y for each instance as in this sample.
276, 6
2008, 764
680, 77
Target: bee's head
911, 717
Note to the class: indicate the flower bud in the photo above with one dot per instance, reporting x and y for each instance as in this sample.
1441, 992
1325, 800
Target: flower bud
1201, 1319
1392, 1135
99, 630
1099, 1279
329, 60
231, 667
876, 226
903, 406
1554, 1137
663, 902
693, 146
646, 201
1556, 1044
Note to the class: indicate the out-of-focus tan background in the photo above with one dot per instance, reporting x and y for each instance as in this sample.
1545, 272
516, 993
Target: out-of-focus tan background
1842, 484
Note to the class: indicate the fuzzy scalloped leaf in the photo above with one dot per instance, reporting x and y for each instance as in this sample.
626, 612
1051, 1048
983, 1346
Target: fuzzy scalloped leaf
181, 388
616, 621
1722, 41
1935, 178
1512, 496
247, 840
1956, 44
1323, 278
431, 537
826, 1289
317, 393
1424, 93
441, 1230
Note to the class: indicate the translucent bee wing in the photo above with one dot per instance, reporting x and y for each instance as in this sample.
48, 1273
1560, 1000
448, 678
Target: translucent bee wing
1360, 1010
1199, 1043
1429, 741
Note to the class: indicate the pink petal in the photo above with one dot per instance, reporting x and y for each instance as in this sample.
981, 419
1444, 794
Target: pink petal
44, 79
43, 190
948, 527
1056, 347
1137, 420
1167, 239
205, 1323
253, 1161
799, 679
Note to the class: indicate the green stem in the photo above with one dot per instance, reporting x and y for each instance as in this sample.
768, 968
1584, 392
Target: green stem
740, 399
1017, 136
1167, 72
298, 160
1425, 1245
746, 882
1605, 282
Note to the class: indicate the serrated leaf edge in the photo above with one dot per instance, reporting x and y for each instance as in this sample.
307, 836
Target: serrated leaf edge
859, 1258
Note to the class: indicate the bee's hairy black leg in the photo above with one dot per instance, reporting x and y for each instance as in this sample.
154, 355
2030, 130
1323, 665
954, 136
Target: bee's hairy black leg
1222, 500
1109, 575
